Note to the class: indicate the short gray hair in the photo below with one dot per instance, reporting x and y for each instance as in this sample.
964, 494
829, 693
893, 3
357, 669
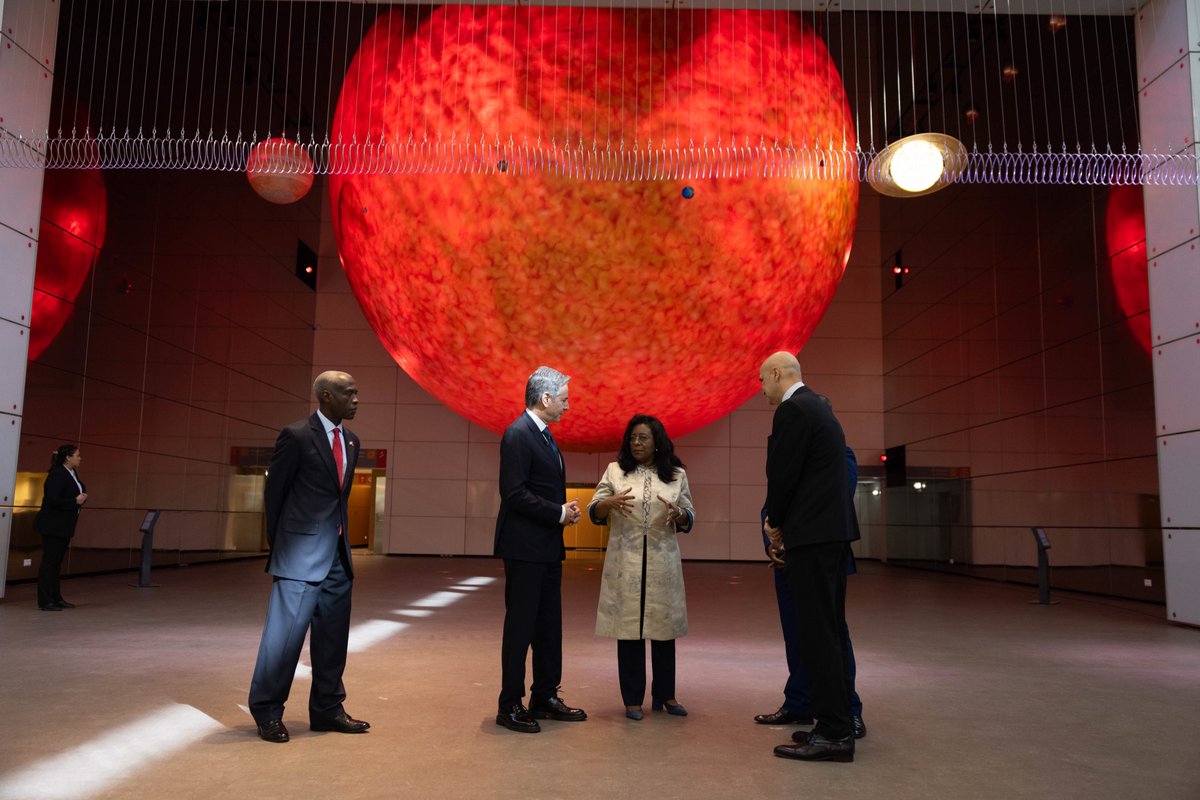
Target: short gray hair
544, 379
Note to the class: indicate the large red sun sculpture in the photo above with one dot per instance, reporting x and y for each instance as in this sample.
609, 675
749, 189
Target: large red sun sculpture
652, 302
1125, 237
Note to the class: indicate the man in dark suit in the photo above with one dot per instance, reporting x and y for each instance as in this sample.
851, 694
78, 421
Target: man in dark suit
810, 512
307, 488
533, 511
796, 698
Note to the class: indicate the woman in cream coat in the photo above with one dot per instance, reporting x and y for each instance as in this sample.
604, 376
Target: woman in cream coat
645, 498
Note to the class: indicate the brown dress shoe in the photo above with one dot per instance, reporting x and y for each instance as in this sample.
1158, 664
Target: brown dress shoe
273, 730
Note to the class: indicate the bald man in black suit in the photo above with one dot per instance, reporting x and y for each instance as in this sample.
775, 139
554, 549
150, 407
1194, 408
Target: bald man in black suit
810, 512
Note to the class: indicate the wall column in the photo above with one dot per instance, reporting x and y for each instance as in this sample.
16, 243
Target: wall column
28, 31
1168, 37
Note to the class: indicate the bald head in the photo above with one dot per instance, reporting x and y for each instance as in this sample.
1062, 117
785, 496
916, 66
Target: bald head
777, 374
337, 395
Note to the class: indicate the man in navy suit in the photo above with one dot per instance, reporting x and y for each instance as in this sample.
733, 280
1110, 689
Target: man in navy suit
533, 511
308, 485
809, 510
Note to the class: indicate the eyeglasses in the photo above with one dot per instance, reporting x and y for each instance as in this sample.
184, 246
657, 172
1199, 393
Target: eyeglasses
641, 437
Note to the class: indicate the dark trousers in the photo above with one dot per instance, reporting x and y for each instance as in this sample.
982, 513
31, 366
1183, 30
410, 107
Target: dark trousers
532, 619
631, 669
796, 695
816, 575
294, 607
54, 550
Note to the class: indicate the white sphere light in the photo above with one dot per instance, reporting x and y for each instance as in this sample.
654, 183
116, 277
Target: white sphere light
917, 165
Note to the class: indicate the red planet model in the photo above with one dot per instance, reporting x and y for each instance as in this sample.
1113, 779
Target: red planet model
651, 302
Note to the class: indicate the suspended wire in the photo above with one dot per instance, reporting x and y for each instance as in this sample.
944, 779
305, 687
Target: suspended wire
388, 146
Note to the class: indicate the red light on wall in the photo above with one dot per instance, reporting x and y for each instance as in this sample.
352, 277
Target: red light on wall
883, 457
308, 270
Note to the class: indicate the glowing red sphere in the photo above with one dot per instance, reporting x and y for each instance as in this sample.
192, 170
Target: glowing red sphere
279, 170
652, 301
1125, 237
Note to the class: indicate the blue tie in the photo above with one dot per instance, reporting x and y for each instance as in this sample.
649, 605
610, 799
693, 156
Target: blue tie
553, 446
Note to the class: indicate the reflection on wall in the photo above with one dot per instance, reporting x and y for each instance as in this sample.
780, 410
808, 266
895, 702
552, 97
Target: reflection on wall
195, 336
1007, 360
637, 288
74, 221
1125, 238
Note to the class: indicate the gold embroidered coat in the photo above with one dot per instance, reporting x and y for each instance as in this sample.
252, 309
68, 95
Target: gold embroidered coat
644, 532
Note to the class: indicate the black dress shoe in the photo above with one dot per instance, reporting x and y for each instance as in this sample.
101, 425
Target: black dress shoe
818, 748
273, 731
516, 718
342, 723
860, 727
555, 708
65, 604
783, 717
51, 607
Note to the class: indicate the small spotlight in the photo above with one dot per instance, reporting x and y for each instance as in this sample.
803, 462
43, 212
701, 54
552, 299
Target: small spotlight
874, 493
1056, 22
918, 485
1009, 72
972, 114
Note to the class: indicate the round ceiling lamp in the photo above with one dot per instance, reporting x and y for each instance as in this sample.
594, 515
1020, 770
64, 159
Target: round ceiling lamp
917, 165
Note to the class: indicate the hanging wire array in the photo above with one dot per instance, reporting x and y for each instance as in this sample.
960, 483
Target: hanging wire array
598, 91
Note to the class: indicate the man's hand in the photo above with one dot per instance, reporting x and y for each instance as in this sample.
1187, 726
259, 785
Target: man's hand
775, 546
572, 514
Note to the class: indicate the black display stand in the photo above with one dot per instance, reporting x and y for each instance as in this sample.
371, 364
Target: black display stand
1043, 544
147, 529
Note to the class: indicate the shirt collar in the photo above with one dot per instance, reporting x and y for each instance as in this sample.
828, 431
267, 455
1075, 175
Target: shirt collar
536, 420
795, 387
329, 426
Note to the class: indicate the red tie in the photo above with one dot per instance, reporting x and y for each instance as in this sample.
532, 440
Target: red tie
338, 459
340, 462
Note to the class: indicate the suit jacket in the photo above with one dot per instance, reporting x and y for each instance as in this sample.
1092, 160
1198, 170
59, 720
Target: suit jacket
533, 488
304, 505
808, 495
59, 511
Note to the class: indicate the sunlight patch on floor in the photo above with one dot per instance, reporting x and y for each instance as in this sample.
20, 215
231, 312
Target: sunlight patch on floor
111, 758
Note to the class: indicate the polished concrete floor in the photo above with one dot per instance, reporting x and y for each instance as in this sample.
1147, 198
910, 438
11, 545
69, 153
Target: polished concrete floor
969, 692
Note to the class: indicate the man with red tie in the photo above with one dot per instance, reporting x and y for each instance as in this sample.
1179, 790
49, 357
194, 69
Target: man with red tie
307, 489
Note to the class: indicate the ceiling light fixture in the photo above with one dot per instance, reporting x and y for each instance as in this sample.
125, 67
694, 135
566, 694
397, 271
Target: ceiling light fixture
917, 165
